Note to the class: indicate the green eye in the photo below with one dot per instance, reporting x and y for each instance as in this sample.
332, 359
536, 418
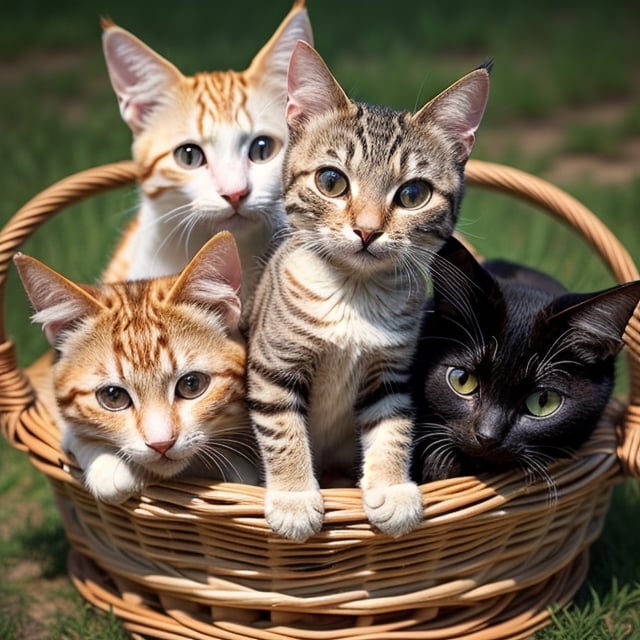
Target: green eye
461, 381
189, 156
192, 385
332, 182
113, 398
414, 194
543, 403
263, 148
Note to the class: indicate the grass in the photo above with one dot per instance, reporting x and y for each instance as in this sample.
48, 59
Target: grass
555, 64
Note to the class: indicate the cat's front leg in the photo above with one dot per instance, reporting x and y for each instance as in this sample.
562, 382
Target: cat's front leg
391, 501
293, 506
279, 371
108, 476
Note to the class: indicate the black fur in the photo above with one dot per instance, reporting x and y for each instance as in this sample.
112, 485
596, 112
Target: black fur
519, 332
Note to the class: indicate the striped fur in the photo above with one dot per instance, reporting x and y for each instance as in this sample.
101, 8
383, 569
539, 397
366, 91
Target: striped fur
336, 314
149, 341
223, 113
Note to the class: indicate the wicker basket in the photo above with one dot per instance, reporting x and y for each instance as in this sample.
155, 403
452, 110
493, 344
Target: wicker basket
189, 560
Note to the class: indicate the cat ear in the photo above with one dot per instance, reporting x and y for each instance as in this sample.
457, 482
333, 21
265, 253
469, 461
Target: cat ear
213, 279
459, 281
271, 63
312, 90
599, 319
458, 110
139, 76
58, 302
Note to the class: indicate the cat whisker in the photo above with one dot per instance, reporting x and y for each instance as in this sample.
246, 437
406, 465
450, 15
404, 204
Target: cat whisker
534, 465
238, 446
167, 216
181, 215
214, 452
440, 453
551, 362
455, 286
415, 269
210, 459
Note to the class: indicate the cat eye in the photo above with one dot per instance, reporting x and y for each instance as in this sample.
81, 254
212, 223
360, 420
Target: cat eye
189, 156
543, 403
192, 385
414, 194
461, 381
332, 182
113, 398
263, 148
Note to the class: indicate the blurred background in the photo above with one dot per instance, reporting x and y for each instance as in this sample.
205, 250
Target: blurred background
564, 105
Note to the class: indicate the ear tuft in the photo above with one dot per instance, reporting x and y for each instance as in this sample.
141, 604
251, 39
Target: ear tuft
458, 110
599, 319
139, 76
271, 63
312, 89
213, 279
59, 302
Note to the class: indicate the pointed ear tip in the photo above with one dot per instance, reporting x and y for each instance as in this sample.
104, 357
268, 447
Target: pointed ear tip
487, 66
106, 23
226, 237
302, 46
21, 259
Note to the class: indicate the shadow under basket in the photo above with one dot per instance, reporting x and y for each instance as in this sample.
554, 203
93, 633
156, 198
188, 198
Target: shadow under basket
190, 560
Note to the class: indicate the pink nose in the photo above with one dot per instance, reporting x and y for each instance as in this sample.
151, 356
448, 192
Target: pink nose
234, 198
367, 236
161, 447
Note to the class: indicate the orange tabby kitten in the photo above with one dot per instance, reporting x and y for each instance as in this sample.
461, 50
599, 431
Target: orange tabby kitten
210, 147
149, 379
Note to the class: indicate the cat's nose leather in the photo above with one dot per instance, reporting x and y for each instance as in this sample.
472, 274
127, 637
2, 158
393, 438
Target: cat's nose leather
367, 236
235, 198
485, 440
161, 447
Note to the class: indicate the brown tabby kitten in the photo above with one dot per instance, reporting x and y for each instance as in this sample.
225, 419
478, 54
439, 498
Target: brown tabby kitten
371, 195
149, 375
210, 147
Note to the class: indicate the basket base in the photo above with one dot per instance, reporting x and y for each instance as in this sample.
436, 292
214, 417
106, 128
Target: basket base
510, 616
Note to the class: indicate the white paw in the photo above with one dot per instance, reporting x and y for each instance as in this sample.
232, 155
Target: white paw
111, 479
295, 515
395, 509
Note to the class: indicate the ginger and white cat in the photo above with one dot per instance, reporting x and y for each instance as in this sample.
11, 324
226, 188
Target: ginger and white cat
210, 149
371, 195
149, 376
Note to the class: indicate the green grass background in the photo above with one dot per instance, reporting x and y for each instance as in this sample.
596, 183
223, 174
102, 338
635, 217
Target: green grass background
556, 62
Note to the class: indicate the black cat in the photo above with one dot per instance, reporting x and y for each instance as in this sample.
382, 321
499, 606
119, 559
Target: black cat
511, 370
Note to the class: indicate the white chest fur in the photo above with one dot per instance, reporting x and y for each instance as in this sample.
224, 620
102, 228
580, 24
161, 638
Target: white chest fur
360, 312
359, 322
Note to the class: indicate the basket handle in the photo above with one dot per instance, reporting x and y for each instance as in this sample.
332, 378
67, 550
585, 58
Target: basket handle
567, 209
16, 393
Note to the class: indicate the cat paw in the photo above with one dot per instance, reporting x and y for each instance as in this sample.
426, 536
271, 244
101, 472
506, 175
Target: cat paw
295, 515
110, 479
394, 510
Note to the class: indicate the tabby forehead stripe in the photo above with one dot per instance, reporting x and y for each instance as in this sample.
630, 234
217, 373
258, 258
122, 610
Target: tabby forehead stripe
150, 165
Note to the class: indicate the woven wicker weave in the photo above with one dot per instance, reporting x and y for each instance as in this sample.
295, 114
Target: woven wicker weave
188, 560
